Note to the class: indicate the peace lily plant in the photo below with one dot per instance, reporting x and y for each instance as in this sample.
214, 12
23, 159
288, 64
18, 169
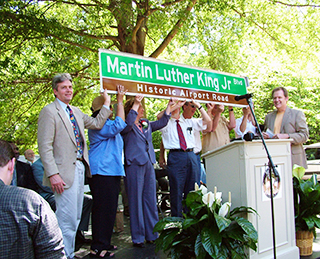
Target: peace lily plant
306, 200
208, 229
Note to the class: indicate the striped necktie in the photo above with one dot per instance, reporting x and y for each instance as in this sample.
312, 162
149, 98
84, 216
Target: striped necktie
182, 140
75, 130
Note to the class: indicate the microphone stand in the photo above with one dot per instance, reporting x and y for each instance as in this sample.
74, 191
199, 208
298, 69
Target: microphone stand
271, 169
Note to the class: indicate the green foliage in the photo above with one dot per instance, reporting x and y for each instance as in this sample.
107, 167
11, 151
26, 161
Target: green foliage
207, 231
306, 201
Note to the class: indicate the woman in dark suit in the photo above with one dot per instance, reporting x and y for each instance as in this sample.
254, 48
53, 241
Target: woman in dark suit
140, 179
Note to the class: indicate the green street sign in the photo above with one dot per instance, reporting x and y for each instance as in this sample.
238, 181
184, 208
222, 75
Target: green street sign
163, 79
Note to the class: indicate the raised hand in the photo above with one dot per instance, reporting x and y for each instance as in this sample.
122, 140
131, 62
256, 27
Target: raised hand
175, 104
138, 98
246, 111
219, 108
196, 103
121, 92
106, 96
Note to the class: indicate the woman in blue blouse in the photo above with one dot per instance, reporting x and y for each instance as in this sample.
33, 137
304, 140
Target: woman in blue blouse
105, 157
140, 179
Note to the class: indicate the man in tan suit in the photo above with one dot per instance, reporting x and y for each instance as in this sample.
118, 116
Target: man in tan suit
64, 153
287, 123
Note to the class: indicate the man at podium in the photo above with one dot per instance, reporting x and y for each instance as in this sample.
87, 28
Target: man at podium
285, 123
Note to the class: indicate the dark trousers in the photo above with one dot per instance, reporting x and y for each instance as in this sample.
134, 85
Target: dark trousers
182, 170
198, 175
105, 192
86, 213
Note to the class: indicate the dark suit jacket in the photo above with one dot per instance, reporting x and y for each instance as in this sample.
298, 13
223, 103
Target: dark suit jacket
38, 171
138, 147
24, 176
294, 124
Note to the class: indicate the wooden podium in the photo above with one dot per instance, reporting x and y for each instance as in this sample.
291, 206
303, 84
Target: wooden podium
241, 168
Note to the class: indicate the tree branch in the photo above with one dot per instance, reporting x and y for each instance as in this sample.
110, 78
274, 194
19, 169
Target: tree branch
295, 5
174, 30
255, 23
171, 3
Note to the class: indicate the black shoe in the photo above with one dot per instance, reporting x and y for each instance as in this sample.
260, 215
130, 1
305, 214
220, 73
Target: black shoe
140, 245
80, 238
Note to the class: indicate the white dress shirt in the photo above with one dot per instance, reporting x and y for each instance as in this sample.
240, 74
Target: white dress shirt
250, 128
170, 136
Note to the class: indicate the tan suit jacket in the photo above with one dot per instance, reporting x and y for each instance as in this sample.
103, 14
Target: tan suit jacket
57, 144
294, 124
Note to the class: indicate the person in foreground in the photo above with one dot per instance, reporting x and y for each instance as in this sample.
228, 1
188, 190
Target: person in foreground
140, 179
287, 123
64, 154
105, 156
29, 228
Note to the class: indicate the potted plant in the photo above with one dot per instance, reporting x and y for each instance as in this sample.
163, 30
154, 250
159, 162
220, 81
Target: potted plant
208, 230
306, 208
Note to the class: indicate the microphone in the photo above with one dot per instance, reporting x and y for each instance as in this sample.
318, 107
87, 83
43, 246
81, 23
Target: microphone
240, 97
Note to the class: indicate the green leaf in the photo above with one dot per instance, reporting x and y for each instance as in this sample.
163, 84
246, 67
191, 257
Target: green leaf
222, 222
169, 222
210, 245
316, 221
165, 239
241, 210
199, 249
249, 230
212, 240
189, 222
309, 221
237, 252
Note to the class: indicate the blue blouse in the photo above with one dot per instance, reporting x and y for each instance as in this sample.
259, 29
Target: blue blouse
106, 145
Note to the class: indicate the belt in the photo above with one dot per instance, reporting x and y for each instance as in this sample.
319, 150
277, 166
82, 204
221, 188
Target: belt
181, 150
80, 158
197, 153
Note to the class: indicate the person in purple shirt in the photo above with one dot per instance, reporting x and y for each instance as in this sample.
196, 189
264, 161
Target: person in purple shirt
140, 179
105, 157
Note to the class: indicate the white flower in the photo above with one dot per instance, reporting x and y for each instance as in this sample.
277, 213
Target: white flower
224, 210
298, 171
202, 188
144, 124
219, 197
208, 199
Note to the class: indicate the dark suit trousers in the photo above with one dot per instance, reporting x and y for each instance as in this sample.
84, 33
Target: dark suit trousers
86, 212
140, 185
182, 170
105, 192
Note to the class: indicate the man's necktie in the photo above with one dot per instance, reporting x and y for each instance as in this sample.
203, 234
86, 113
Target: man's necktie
75, 129
182, 140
